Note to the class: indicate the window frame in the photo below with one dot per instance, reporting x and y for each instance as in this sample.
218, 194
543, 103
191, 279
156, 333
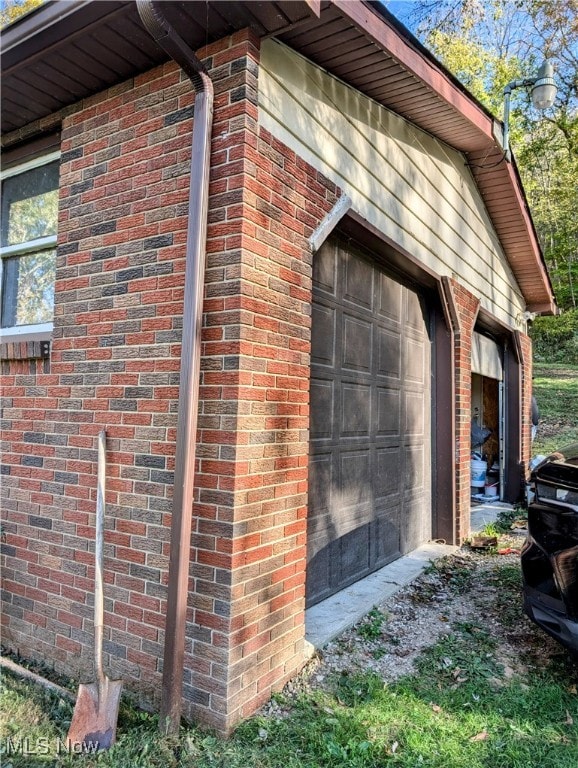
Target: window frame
36, 331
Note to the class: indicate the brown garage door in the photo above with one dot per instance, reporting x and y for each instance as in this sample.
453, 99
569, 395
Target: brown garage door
369, 473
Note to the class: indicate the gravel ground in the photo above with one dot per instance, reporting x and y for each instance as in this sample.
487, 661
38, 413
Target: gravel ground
416, 617
390, 639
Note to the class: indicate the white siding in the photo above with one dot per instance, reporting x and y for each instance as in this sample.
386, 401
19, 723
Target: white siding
412, 187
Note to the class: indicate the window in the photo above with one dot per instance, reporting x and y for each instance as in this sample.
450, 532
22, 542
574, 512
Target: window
28, 248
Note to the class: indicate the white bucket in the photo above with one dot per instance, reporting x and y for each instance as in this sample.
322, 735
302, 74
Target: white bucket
478, 472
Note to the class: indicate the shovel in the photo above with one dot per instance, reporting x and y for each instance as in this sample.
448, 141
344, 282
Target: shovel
94, 719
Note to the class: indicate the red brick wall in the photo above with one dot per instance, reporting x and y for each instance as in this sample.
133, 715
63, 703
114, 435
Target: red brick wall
115, 363
249, 539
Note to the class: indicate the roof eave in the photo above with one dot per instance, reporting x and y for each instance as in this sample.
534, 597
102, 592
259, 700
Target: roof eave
406, 49
462, 121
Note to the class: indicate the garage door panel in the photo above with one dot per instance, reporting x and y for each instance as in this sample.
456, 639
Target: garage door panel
320, 485
325, 269
414, 362
414, 404
388, 475
413, 530
318, 567
389, 353
357, 344
321, 396
369, 495
353, 554
358, 281
414, 313
355, 487
387, 538
414, 468
323, 323
389, 302
356, 410
388, 408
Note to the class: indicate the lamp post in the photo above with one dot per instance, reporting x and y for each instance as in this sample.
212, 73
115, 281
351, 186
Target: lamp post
543, 95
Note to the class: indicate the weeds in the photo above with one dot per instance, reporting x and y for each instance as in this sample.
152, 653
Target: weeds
507, 517
456, 572
371, 626
491, 529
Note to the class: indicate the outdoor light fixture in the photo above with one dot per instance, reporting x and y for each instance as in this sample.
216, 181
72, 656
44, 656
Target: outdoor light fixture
543, 95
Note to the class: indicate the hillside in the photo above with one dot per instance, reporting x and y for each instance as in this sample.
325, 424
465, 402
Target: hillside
556, 390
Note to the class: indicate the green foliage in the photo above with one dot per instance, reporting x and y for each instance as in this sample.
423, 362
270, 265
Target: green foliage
556, 390
506, 518
10, 10
488, 44
370, 627
555, 339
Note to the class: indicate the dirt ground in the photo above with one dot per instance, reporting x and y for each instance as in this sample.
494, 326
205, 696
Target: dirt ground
463, 588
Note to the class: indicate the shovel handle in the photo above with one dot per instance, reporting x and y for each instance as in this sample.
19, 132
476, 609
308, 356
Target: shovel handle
99, 556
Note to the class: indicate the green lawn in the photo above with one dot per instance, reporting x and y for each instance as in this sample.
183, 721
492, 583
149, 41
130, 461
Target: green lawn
556, 390
461, 710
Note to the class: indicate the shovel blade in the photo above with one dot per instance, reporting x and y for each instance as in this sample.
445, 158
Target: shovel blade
93, 725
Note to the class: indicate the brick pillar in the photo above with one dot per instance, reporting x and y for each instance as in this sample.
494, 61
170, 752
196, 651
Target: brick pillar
525, 346
464, 311
246, 608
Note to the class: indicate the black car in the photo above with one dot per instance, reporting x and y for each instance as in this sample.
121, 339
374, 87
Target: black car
550, 553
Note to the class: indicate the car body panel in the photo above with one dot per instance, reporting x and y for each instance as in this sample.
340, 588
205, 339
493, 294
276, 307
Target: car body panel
550, 553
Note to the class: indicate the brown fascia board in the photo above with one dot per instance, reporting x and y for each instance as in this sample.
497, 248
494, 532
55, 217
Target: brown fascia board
390, 35
532, 235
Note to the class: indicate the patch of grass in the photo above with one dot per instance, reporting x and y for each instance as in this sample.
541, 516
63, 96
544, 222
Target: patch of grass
490, 529
371, 626
556, 390
456, 572
459, 710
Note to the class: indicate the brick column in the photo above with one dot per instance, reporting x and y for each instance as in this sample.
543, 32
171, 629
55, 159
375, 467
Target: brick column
247, 602
464, 306
525, 346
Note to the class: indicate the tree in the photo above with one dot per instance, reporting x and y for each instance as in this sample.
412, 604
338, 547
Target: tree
10, 10
486, 44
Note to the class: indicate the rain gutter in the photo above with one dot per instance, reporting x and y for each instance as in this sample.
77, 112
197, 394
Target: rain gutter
166, 37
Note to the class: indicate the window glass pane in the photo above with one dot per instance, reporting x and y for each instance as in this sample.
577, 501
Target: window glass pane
28, 289
30, 205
